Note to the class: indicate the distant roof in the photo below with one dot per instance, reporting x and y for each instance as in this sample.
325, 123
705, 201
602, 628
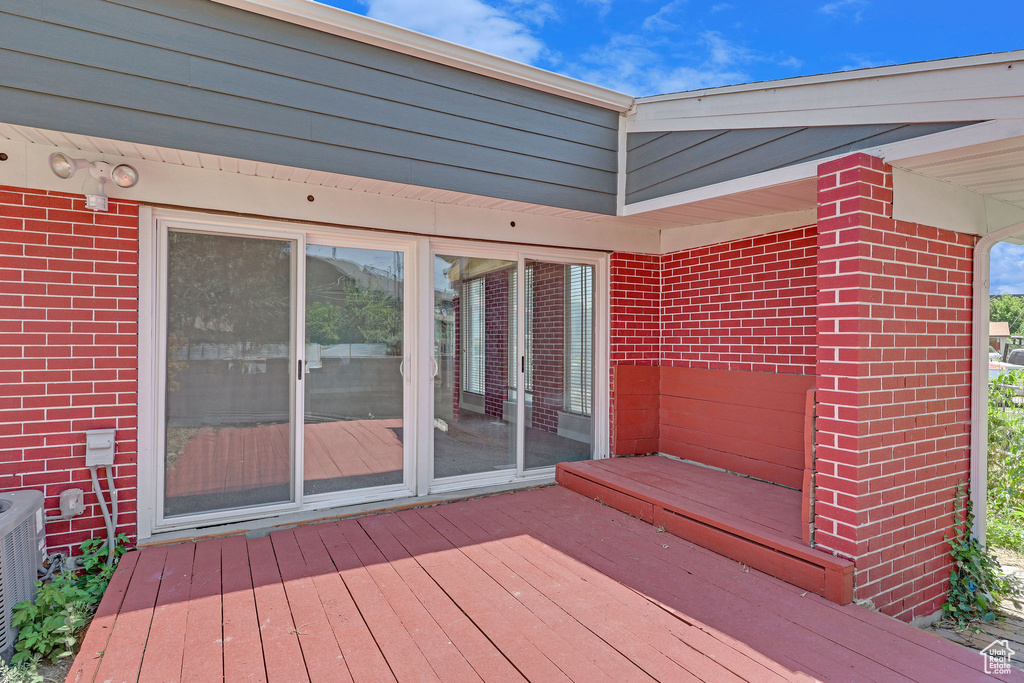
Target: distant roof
999, 329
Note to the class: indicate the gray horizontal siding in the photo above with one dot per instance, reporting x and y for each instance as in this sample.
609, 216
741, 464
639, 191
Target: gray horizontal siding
200, 76
660, 164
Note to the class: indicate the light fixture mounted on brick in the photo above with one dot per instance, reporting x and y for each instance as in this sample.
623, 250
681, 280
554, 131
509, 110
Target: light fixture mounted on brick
122, 175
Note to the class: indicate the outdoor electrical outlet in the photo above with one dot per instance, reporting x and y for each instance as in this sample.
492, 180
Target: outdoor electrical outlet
72, 503
99, 447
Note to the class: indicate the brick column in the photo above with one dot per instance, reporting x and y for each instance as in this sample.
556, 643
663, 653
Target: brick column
893, 366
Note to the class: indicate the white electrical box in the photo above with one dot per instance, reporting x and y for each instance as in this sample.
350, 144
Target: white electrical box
99, 447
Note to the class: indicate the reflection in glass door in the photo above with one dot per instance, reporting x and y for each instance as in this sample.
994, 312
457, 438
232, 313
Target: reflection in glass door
354, 385
474, 348
228, 382
559, 363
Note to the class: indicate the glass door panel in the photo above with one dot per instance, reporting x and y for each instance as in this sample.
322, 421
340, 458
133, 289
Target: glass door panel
354, 387
559, 363
475, 350
229, 372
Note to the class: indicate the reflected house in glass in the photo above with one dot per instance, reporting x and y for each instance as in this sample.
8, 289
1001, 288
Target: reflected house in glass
364, 268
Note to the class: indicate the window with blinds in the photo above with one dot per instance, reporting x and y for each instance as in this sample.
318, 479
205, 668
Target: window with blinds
579, 338
473, 336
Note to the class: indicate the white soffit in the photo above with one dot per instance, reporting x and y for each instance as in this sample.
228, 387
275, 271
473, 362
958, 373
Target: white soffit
346, 24
129, 150
210, 182
982, 87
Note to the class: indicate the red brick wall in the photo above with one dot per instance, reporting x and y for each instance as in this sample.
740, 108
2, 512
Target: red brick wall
635, 326
68, 349
744, 305
748, 305
496, 342
548, 318
893, 427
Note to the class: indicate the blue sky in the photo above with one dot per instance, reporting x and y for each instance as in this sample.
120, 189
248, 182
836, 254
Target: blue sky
647, 47
1007, 268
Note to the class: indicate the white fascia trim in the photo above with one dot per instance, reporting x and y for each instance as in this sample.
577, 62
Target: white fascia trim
988, 131
365, 30
979, 373
854, 75
968, 89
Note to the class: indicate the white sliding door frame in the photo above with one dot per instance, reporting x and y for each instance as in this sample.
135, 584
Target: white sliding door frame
601, 403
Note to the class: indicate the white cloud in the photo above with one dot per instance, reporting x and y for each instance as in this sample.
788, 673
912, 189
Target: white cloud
853, 8
663, 19
603, 6
636, 65
472, 23
863, 62
1007, 268
720, 7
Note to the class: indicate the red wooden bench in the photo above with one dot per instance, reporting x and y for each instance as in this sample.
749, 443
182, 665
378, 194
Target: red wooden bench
745, 489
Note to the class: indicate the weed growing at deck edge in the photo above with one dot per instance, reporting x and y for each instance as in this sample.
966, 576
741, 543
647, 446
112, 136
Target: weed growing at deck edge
976, 584
49, 626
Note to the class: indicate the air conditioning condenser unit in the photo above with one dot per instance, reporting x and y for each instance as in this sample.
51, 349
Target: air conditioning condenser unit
22, 548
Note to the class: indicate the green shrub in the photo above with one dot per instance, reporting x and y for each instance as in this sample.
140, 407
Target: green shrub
49, 627
1005, 519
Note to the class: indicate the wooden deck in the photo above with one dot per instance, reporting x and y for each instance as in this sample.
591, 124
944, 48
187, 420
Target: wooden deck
541, 585
748, 520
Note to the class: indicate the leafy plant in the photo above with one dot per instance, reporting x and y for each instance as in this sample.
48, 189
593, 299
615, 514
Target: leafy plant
20, 673
49, 626
977, 586
1006, 462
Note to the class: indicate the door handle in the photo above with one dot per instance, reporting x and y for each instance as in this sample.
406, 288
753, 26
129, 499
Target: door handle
437, 368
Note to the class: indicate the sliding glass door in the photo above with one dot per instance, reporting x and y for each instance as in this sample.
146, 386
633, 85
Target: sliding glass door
559, 363
474, 349
354, 386
300, 368
285, 374
228, 427
501, 324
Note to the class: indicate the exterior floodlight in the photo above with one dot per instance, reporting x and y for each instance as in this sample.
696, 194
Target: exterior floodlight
64, 166
124, 176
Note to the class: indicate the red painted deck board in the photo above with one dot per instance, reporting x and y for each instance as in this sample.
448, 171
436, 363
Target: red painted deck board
95, 641
164, 656
243, 648
281, 652
203, 656
320, 649
751, 521
538, 585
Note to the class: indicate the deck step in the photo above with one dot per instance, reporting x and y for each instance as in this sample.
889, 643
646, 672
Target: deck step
750, 521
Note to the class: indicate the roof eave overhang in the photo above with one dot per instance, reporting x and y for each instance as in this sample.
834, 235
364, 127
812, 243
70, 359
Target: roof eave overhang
982, 87
979, 133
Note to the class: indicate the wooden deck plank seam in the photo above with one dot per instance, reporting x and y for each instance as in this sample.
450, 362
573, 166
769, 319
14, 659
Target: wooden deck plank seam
869, 654
554, 577
470, 618
660, 567
535, 648
722, 638
517, 596
440, 588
